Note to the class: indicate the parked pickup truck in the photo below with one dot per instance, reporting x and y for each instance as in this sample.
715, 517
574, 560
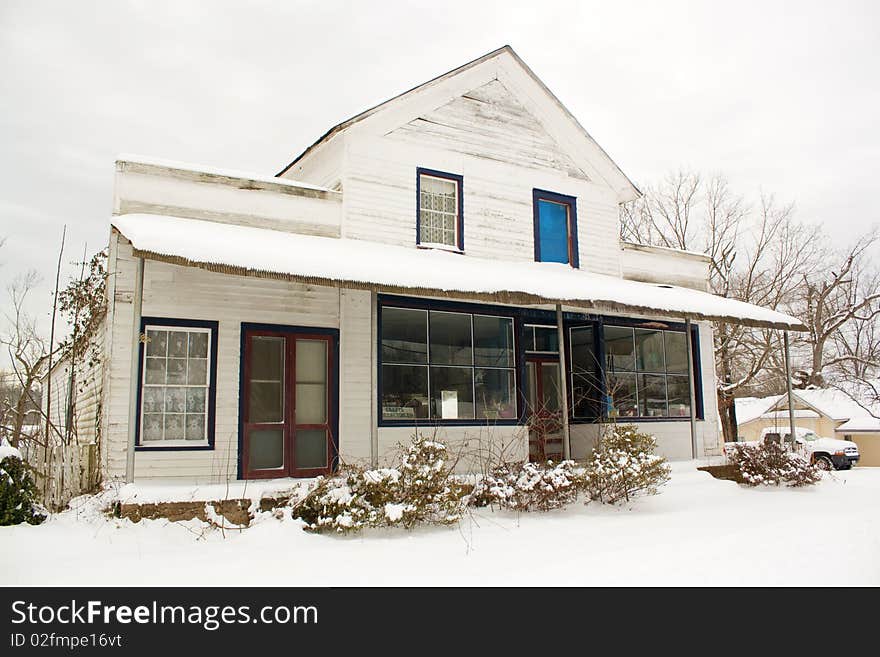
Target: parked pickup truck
827, 453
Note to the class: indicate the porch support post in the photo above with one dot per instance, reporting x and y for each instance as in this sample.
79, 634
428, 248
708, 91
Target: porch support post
134, 381
691, 386
374, 389
563, 385
788, 387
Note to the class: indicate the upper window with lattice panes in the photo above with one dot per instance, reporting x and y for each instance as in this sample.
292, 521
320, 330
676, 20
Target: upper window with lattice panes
440, 210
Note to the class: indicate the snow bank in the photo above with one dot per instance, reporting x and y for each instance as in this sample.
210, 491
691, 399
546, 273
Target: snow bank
691, 526
260, 251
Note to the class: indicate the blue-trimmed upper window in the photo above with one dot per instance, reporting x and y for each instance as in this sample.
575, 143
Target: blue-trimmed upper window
178, 376
440, 220
555, 227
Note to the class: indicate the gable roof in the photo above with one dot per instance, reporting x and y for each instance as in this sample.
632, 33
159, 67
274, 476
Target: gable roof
344, 125
829, 402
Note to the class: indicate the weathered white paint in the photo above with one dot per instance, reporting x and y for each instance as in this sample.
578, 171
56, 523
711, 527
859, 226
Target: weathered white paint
156, 189
180, 292
493, 123
652, 264
88, 384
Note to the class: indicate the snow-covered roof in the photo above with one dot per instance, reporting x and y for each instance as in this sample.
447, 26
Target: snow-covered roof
834, 403
267, 253
751, 408
830, 402
860, 425
803, 414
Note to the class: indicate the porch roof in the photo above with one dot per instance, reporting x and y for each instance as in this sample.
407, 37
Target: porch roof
360, 264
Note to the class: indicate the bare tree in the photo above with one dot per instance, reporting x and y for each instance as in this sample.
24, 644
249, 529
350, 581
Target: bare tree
28, 355
758, 255
839, 303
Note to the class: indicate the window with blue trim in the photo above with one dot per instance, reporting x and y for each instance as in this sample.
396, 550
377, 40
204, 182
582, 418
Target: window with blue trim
441, 365
646, 372
555, 217
178, 377
440, 209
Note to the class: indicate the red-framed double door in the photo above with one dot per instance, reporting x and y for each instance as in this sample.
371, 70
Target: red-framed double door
543, 408
289, 404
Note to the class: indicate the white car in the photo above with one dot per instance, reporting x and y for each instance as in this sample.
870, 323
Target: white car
827, 453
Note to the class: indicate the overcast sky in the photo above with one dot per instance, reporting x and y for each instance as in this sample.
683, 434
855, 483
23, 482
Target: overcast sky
782, 97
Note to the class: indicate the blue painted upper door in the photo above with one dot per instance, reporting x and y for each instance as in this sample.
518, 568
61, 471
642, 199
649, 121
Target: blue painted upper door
553, 229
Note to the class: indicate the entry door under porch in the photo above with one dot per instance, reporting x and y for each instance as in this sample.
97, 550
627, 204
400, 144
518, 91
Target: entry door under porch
544, 408
289, 404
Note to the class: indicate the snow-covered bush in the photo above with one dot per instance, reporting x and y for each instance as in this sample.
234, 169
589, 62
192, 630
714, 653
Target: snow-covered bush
422, 489
529, 486
770, 464
624, 464
18, 493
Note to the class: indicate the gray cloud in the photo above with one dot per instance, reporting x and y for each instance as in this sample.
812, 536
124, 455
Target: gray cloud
780, 96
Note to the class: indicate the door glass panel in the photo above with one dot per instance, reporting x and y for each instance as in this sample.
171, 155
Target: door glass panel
531, 387
311, 403
311, 382
267, 358
266, 449
266, 399
311, 361
310, 448
550, 384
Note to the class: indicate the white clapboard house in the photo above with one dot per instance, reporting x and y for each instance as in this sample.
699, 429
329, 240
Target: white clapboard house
448, 262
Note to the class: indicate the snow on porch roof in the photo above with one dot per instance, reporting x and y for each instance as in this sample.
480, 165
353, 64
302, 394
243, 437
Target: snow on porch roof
266, 253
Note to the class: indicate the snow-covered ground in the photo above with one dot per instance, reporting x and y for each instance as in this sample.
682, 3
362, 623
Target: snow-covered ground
698, 531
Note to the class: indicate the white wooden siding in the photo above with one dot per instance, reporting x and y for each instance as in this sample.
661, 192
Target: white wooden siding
489, 122
152, 189
380, 202
492, 123
322, 167
187, 293
658, 265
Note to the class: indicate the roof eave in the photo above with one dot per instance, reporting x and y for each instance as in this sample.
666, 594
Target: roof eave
501, 297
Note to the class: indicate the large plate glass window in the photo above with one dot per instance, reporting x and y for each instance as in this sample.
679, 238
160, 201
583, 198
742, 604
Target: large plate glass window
646, 372
442, 365
176, 386
587, 396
